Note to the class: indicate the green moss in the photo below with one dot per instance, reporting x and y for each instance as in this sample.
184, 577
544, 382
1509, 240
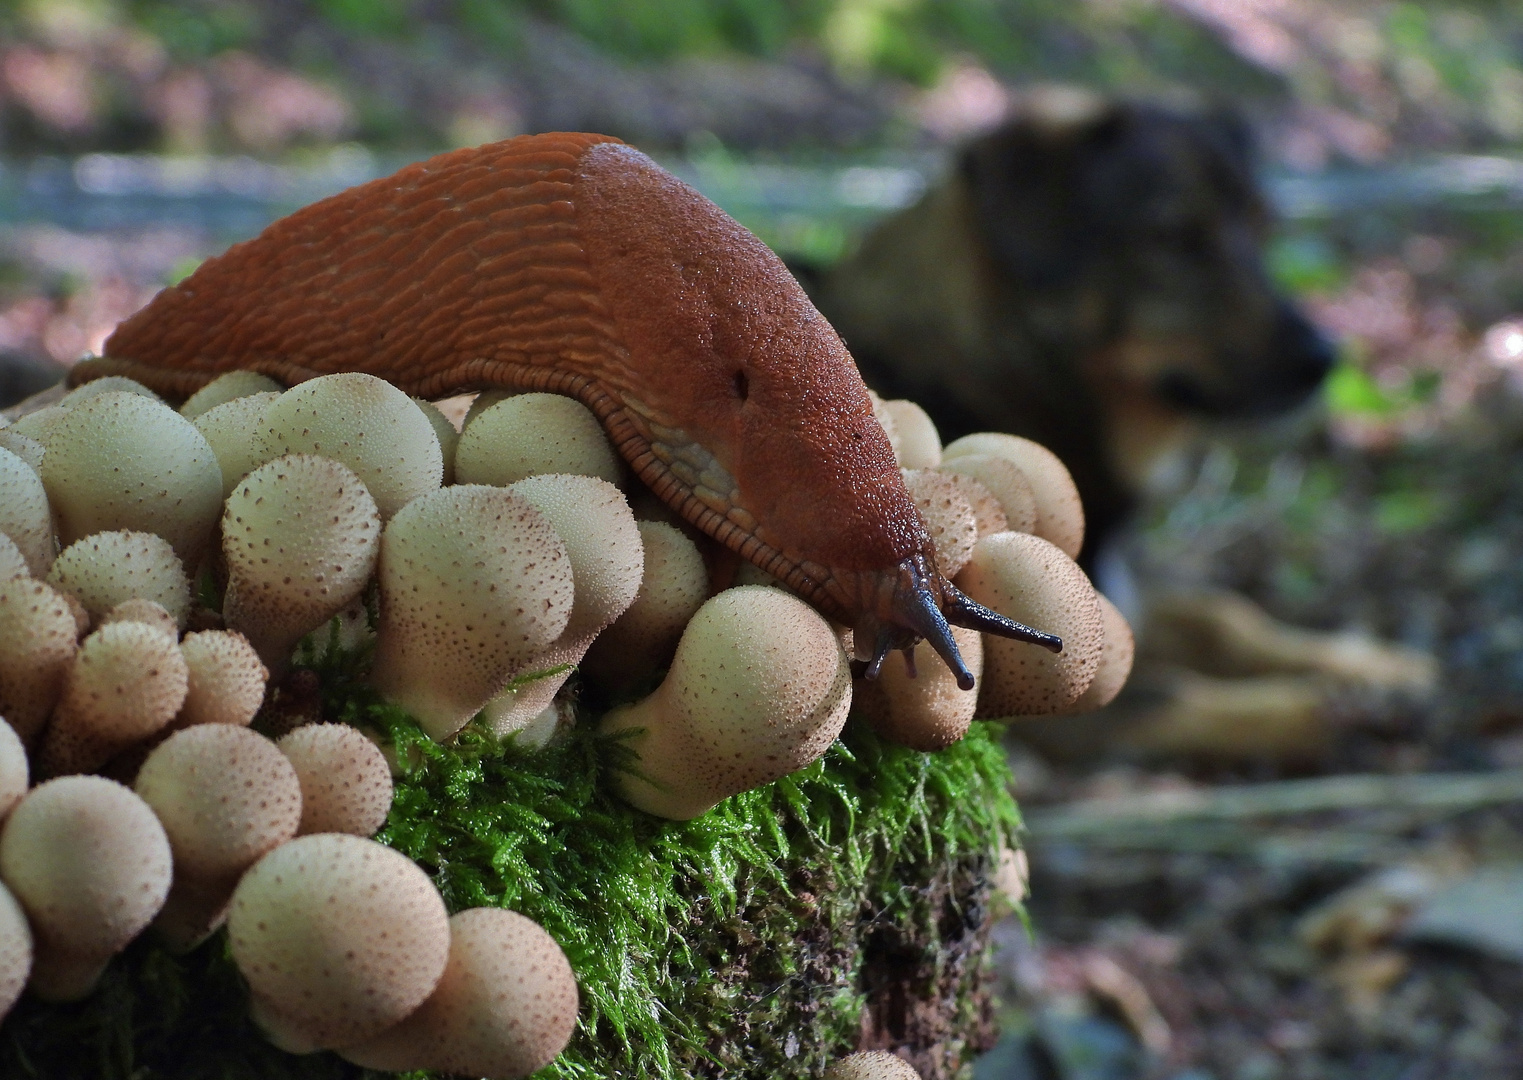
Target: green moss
739, 944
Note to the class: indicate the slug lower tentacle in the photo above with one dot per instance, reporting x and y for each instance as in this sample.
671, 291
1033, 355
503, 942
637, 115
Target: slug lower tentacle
572, 263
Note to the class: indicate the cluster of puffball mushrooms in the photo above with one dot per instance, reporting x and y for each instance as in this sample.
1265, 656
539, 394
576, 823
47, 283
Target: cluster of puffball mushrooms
502, 556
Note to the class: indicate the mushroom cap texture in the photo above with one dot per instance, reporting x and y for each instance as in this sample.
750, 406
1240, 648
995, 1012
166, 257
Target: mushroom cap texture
505, 1006
37, 424
37, 644
15, 950
1031, 580
341, 937
89, 862
872, 1065
929, 711
226, 679
444, 431
137, 609
529, 434
225, 796
301, 535
123, 461
126, 683
111, 384
987, 511
919, 443
1059, 512
27, 449
235, 432
14, 773
366, 423
12, 563
1005, 481
475, 584
24, 512
224, 388
948, 517
1116, 655
105, 568
345, 781
760, 687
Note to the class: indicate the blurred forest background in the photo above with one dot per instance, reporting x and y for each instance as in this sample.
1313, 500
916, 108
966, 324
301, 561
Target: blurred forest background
1217, 939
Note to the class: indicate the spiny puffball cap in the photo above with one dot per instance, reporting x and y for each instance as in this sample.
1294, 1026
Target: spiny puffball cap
226, 679
123, 461
37, 644
1060, 514
948, 517
1031, 580
106, 568
225, 796
1005, 481
15, 950
27, 449
229, 386
12, 563
872, 1065
444, 431
1116, 656
340, 936
111, 384
929, 712
89, 862
346, 783
24, 512
136, 609
529, 434
919, 442
366, 423
235, 432
37, 425
14, 773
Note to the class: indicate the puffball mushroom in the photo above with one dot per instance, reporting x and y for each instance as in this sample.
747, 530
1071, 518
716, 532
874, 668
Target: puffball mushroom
15, 950
1024, 577
235, 432
124, 686
925, 712
919, 445
136, 609
504, 1008
12, 564
987, 512
1059, 513
345, 781
475, 584
1005, 481
338, 937
225, 680
529, 434
24, 513
28, 450
365, 423
444, 431
1116, 655
123, 461
760, 687
106, 568
948, 517
673, 586
301, 536
90, 864
14, 773
111, 384
603, 542
37, 645
872, 1065
225, 796
224, 388
38, 424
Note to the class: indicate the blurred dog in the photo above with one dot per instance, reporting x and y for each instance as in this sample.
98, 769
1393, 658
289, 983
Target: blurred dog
1091, 275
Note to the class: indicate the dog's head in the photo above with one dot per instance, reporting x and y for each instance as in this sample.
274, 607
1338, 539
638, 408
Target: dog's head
1148, 220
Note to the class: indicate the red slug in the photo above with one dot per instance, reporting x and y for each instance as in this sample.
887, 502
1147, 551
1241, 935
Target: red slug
572, 263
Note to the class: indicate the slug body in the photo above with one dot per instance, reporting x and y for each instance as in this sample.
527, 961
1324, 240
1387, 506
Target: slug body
572, 263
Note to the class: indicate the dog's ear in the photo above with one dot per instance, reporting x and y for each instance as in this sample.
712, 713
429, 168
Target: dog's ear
1027, 184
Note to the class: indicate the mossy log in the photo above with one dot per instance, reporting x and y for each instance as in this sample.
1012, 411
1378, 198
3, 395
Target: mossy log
846, 906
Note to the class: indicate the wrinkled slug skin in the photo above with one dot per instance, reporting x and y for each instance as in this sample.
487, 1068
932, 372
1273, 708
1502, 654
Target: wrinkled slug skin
574, 264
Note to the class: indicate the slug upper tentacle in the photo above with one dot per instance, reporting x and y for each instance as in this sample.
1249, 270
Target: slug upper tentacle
572, 263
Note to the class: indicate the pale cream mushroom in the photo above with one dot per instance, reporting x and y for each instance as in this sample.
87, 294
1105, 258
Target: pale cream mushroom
90, 864
504, 1008
365, 423
227, 387
37, 425
927, 711
15, 950
872, 1065
603, 542
24, 513
14, 772
483, 401
138, 610
673, 586
529, 434
759, 688
1002, 479
37, 645
1060, 514
987, 512
475, 584
919, 444
12, 563
235, 432
301, 536
886, 421
1115, 660
111, 384
947, 514
225, 796
106, 568
444, 431
1032, 581
124, 686
225, 680
27, 449
122, 461
345, 781
339, 939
